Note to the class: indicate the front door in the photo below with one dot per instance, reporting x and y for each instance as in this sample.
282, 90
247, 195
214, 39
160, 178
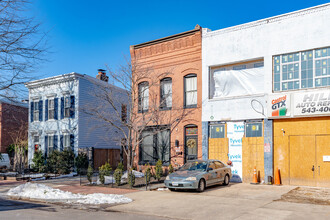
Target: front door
322, 166
191, 147
302, 160
191, 143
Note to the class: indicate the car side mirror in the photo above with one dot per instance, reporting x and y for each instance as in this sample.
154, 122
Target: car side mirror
209, 169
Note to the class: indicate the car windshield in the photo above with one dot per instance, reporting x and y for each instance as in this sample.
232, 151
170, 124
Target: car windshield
194, 165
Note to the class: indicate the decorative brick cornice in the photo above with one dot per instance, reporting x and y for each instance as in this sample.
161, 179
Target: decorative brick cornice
265, 21
168, 44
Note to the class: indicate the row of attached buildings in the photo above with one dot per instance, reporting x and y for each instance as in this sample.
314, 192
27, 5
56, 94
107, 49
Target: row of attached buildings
256, 94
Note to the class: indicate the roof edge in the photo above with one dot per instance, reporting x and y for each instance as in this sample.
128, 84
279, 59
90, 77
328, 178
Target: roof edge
168, 38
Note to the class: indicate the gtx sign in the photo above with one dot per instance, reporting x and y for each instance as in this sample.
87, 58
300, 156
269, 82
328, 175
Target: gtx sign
279, 105
312, 103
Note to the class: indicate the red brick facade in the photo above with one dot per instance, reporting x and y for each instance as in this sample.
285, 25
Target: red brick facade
12, 117
181, 55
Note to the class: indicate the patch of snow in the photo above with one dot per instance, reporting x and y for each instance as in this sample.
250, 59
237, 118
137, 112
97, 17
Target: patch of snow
137, 174
41, 176
162, 189
41, 191
107, 180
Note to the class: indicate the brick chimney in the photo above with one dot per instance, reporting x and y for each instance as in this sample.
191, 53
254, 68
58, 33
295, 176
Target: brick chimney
102, 75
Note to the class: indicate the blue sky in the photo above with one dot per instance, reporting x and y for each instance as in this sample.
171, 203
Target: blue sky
86, 35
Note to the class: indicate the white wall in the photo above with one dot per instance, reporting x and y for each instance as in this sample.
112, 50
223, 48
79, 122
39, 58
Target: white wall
293, 32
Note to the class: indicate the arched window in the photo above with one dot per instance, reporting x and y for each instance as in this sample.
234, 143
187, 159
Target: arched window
143, 96
166, 93
190, 91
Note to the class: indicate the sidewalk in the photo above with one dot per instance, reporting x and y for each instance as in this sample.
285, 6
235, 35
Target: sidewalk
93, 189
237, 201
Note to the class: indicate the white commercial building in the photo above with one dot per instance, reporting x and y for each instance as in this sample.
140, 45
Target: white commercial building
253, 76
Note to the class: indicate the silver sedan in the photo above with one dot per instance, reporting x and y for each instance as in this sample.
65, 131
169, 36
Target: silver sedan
199, 174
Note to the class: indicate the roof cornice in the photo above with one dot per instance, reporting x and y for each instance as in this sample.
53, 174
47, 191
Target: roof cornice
315, 9
53, 80
168, 38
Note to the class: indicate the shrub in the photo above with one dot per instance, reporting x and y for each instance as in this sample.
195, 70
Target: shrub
159, 170
38, 162
131, 178
53, 161
104, 170
81, 162
147, 173
60, 162
120, 166
90, 174
170, 169
118, 174
66, 161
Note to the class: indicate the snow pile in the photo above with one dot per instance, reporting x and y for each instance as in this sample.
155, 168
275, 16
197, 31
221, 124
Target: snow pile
107, 180
41, 191
137, 174
41, 176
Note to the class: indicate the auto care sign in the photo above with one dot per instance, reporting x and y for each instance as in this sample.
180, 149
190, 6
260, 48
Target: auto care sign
235, 133
312, 103
279, 105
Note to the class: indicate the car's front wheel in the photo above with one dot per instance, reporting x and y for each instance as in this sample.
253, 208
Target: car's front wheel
226, 180
201, 185
171, 189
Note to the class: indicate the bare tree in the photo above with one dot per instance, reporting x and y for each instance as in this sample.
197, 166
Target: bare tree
127, 116
19, 138
22, 46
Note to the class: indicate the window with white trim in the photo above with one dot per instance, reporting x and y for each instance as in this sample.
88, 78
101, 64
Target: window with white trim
66, 141
36, 111
50, 143
190, 86
51, 109
67, 106
166, 93
36, 142
143, 88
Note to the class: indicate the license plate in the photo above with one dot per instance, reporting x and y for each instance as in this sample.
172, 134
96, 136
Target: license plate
175, 184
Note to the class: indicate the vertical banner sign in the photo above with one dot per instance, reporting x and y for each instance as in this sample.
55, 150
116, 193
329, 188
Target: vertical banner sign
235, 133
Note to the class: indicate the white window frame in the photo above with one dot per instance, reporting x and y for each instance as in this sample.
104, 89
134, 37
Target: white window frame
66, 140
192, 91
67, 106
51, 109
36, 142
49, 145
166, 98
36, 111
143, 93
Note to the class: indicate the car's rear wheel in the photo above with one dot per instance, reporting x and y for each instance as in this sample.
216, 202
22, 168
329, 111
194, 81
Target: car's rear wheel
226, 180
201, 185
